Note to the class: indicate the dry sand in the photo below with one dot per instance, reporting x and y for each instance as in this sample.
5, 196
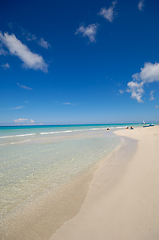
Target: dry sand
123, 198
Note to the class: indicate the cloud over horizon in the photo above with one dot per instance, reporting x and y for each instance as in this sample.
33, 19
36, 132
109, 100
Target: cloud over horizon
108, 13
17, 48
90, 31
148, 74
24, 121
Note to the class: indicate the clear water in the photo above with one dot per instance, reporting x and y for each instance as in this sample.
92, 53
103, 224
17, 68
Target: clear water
35, 159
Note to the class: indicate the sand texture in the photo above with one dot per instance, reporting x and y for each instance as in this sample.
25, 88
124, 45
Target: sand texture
123, 198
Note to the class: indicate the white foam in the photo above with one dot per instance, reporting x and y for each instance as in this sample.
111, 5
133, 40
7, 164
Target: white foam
6, 136
21, 135
67, 131
24, 135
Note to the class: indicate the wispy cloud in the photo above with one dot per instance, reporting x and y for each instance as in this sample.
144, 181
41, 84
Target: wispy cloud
22, 86
6, 66
108, 13
44, 43
68, 103
121, 91
29, 36
17, 48
152, 97
90, 31
16, 108
148, 74
141, 5
20, 120
2, 51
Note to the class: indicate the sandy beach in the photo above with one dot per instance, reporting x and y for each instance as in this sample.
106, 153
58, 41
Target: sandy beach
123, 197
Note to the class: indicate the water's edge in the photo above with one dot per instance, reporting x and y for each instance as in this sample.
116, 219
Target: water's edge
115, 163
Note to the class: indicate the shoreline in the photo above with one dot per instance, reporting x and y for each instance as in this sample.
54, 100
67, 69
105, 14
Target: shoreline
125, 207
40, 218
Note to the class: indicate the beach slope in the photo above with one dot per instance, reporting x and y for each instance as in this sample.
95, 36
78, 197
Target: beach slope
123, 197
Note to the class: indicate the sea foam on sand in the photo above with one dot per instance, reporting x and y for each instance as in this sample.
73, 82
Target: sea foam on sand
123, 198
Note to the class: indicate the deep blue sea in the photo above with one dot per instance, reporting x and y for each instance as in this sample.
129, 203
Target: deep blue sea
35, 160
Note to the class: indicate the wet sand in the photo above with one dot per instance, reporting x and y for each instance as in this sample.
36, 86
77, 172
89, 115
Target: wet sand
123, 197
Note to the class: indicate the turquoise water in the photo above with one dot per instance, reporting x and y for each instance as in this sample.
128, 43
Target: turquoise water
37, 159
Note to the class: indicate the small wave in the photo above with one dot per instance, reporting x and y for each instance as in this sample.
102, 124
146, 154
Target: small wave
43, 133
21, 135
67, 131
56, 132
6, 136
24, 135
94, 129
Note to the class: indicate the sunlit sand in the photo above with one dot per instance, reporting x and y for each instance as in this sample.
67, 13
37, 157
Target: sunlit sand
122, 201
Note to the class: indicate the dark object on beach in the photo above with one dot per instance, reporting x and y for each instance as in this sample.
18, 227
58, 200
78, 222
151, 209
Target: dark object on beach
127, 128
108, 128
131, 127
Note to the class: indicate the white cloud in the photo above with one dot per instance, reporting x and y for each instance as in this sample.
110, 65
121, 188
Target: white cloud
141, 5
24, 121
152, 97
22, 86
17, 48
148, 74
5, 66
121, 91
108, 13
136, 90
43, 43
20, 120
90, 31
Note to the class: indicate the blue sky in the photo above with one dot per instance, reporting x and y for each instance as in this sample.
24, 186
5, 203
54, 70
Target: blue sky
79, 61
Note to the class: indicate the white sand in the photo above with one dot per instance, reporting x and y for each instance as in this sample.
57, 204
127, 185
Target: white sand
123, 199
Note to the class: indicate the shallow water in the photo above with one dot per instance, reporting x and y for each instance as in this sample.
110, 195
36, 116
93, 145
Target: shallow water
39, 162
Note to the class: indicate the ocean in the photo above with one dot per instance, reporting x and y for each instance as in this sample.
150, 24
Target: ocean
45, 170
